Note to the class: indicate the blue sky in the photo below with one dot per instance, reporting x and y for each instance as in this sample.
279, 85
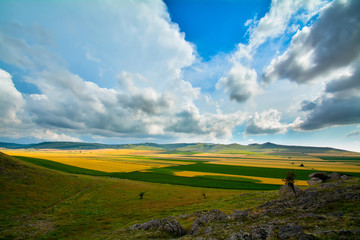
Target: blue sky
181, 71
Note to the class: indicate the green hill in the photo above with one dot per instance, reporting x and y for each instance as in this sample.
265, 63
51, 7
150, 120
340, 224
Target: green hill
38, 203
180, 147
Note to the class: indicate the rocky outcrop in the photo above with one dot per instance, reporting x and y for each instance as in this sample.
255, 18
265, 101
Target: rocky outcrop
314, 181
286, 192
169, 225
303, 217
321, 177
207, 217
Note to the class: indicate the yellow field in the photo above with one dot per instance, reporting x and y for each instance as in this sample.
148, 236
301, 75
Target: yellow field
261, 179
129, 160
106, 160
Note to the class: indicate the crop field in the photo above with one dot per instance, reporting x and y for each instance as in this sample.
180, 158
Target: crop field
237, 170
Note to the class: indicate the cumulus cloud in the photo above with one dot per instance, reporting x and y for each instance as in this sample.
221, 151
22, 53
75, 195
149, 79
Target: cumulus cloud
267, 122
277, 20
332, 42
208, 126
333, 112
48, 135
11, 101
307, 105
240, 83
328, 52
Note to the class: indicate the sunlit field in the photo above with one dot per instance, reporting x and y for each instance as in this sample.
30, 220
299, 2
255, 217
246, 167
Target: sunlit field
215, 170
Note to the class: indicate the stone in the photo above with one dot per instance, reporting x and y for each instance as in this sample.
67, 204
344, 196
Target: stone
335, 176
327, 185
168, 225
322, 175
203, 218
290, 231
240, 215
286, 192
240, 236
346, 177
262, 232
314, 181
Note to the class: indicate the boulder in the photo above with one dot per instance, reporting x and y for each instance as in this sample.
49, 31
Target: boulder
328, 185
286, 192
322, 175
240, 215
314, 181
204, 218
290, 231
168, 225
335, 176
346, 177
240, 236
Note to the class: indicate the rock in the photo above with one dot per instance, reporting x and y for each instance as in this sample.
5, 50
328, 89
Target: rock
240, 215
327, 185
203, 218
335, 176
154, 223
240, 236
290, 231
262, 232
173, 227
322, 175
286, 192
168, 225
346, 177
314, 181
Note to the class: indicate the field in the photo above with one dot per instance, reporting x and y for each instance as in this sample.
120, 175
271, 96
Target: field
94, 194
238, 170
37, 203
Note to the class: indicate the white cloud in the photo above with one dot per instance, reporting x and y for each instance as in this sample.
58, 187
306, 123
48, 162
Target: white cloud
240, 83
277, 20
11, 101
48, 135
331, 43
204, 126
267, 122
273, 25
328, 51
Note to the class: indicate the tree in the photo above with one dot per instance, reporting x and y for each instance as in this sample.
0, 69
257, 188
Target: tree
290, 180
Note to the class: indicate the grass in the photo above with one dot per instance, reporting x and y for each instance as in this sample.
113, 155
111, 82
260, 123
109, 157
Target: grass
156, 177
37, 203
240, 170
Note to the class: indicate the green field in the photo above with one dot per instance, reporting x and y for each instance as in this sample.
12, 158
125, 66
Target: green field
38, 203
161, 175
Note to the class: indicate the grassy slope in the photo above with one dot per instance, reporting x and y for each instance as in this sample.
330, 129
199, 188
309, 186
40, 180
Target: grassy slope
39, 203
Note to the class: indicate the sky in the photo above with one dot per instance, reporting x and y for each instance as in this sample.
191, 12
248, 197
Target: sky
134, 71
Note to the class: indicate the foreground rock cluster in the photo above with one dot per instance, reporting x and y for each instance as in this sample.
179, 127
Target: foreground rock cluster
328, 211
321, 177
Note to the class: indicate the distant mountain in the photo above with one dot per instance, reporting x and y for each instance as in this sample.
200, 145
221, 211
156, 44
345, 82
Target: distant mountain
181, 147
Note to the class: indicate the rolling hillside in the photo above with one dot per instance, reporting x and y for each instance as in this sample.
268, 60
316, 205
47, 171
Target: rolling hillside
182, 147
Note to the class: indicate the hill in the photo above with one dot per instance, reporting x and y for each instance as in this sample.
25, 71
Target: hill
37, 203
181, 147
